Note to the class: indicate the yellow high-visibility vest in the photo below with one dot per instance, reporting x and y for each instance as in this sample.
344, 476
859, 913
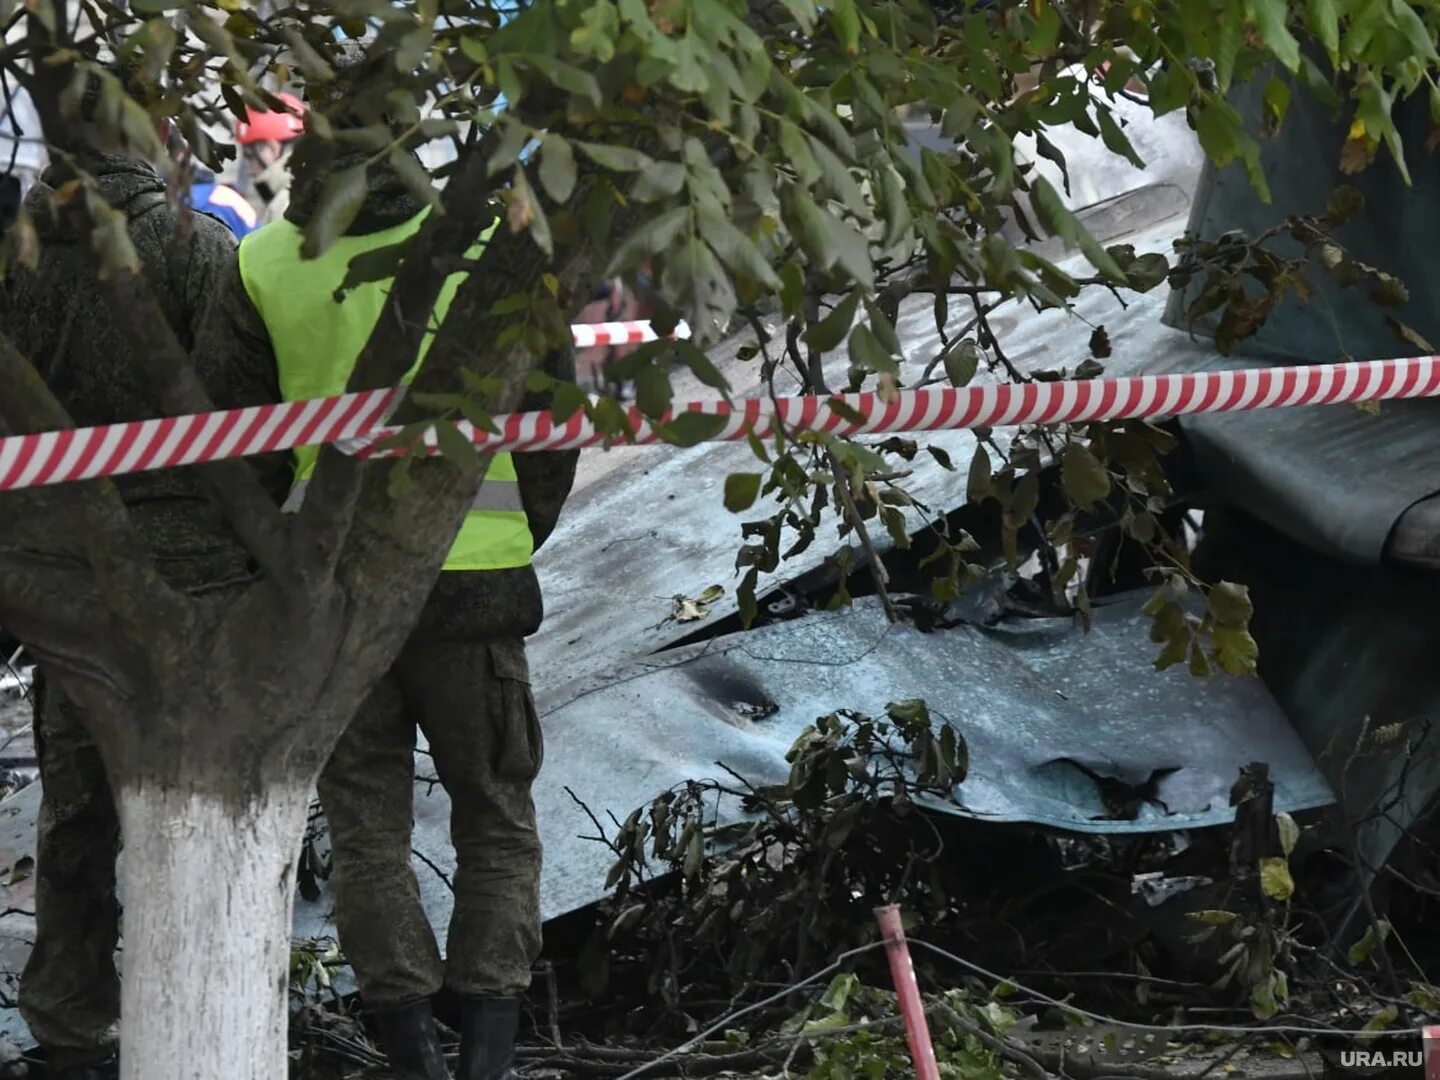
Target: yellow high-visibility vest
317, 342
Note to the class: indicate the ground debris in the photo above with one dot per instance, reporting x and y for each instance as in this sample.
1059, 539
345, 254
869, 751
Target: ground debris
750, 948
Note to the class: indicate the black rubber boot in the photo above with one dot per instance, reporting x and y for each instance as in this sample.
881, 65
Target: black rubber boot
109, 1069
408, 1037
487, 1037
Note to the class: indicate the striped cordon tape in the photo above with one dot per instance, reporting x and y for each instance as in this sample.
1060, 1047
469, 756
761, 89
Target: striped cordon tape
355, 422
588, 335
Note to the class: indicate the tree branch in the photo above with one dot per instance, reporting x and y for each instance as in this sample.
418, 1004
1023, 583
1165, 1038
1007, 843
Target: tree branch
249, 509
329, 507
401, 548
877, 565
125, 573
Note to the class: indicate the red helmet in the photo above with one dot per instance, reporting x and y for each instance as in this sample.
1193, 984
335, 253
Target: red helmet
272, 126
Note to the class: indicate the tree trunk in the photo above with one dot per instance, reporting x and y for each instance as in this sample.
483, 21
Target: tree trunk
208, 889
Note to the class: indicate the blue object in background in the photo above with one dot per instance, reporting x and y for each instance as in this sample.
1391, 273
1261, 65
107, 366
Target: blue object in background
224, 203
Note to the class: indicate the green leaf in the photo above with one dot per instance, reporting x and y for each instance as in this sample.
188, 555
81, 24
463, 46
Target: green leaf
616, 158
843, 409
1263, 999
1277, 101
810, 227
1271, 17
792, 289
1230, 604
737, 251
961, 363
1235, 650
702, 366
1409, 23
1361, 950
512, 143
897, 210
473, 46
852, 251
565, 77
596, 36
838, 993
1147, 271
1086, 480
803, 12
836, 175
1275, 879
1324, 21
653, 393
845, 18
1115, 139
741, 491
830, 331
1288, 831
456, 447
882, 326
340, 201
867, 352
412, 174
1224, 139
557, 168
1382, 1019
691, 428
1057, 220
659, 180
980, 484
796, 148
569, 399
649, 238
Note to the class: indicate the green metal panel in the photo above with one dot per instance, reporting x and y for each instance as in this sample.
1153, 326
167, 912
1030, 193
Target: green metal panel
1399, 233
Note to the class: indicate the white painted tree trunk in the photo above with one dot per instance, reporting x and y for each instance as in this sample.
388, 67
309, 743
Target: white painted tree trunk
208, 891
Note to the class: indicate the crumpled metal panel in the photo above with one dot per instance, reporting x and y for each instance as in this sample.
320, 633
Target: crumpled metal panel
1045, 708
654, 524
1331, 477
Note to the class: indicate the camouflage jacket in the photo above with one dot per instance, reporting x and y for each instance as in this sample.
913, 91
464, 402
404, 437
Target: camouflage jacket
56, 315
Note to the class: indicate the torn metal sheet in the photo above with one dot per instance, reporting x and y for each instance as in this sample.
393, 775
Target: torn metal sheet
653, 524
1312, 473
1057, 721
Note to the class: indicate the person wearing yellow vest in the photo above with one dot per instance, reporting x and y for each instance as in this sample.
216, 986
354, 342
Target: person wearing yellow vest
462, 678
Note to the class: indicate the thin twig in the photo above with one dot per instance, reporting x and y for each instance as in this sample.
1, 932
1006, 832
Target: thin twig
431, 864
877, 566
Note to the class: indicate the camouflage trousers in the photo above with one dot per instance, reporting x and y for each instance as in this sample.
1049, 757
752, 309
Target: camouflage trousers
473, 702
69, 990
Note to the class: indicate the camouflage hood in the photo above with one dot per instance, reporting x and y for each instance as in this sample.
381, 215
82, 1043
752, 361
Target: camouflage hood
388, 203
130, 185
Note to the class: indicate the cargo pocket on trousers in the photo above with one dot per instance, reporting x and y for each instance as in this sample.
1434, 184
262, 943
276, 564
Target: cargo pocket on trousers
520, 744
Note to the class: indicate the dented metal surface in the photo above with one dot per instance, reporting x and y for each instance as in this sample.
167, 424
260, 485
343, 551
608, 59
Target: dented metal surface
647, 523
1065, 729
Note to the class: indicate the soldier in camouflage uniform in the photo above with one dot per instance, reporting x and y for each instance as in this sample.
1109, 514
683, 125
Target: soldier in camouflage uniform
56, 315
462, 679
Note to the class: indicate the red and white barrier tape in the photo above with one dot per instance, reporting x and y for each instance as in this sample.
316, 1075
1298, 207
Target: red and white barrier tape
588, 335
353, 420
